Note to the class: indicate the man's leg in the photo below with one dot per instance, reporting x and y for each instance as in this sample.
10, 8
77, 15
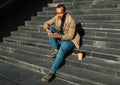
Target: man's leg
64, 48
53, 42
49, 76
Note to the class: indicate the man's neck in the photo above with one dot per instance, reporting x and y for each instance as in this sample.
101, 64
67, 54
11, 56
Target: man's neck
63, 19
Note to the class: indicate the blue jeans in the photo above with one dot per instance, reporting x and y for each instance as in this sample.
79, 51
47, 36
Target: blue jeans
65, 46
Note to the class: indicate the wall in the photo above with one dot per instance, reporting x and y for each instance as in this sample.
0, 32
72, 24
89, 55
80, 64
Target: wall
15, 13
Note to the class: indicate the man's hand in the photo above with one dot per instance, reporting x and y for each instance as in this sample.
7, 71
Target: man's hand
55, 35
48, 31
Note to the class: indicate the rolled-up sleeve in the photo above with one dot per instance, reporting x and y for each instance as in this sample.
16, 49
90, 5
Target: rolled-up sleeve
49, 22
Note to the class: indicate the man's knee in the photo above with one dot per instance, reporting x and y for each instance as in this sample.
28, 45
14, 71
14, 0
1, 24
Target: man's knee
52, 28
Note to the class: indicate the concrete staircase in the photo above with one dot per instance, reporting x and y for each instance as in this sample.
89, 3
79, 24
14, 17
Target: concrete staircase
100, 20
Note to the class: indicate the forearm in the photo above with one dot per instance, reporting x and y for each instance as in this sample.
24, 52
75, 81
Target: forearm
55, 35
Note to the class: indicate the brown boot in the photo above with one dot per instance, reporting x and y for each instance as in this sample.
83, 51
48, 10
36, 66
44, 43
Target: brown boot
48, 77
53, 54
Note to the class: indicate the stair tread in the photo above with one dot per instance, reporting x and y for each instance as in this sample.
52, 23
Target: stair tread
16, 75
86, 48
37, 52
29, 46
85, 11
36, 61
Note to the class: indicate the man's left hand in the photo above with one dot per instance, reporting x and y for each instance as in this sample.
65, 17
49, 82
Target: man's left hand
55, 35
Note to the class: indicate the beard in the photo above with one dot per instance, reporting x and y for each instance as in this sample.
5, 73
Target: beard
59, 17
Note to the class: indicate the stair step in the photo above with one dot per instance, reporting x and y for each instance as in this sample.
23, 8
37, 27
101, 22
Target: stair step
102, 34
85, 17
101, 44
107, 39
84, 11
102, 39
90, 39
36, 35
90, 4
27, 41
100, 25
18, 48
106, 4
65, 68
103, 53
22, 76
70, 1
55, 1
88, 31
89, 35
89, 50
29, 46
21, 60
85, 24
30, 29
68, 4
69, 7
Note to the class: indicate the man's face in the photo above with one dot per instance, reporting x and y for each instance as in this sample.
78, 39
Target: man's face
60, 12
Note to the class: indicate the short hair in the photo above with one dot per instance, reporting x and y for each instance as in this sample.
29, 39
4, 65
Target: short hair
61, 5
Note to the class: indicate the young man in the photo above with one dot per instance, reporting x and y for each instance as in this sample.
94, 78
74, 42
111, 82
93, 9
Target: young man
62, 36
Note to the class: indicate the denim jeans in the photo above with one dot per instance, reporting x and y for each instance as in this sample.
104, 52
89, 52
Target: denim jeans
65, 46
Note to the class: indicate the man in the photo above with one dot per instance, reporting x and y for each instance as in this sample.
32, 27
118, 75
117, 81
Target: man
62, 37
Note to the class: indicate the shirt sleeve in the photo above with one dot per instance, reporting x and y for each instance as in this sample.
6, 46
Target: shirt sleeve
49, 22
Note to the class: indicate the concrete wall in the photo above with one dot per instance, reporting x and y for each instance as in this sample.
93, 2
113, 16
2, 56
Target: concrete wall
15, 13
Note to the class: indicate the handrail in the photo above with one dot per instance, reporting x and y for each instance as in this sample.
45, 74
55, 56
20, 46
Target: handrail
5, 3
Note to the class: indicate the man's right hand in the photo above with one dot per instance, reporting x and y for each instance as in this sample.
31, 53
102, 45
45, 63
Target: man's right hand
48, 31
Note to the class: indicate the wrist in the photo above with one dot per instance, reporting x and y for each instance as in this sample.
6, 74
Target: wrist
60, 36
46, 29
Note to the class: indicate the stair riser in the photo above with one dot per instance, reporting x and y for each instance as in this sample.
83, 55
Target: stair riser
88, 53
101, 44
84, 12
22, 42
89, 25
28, 35
109, 23
89, 3
79, 65
84, 17
70, 0
93, 34
24, 52
104, 56
100, 25
94, 43
74, 1
29, 46
84, 0
102, 34
31, 29
69, 7
42, 70
105, 53
73, 4
76, 74
86, 30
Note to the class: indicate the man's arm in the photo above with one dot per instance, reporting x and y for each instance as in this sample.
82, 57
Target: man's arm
47, 24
